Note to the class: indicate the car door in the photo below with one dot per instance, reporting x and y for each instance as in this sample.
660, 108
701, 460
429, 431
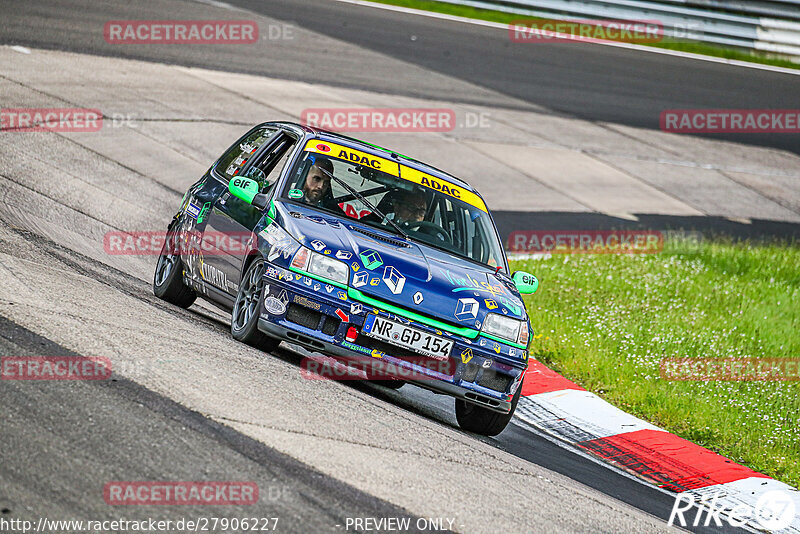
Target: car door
232, 220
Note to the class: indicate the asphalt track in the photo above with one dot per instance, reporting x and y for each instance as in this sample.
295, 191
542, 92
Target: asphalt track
136, 430
591, 82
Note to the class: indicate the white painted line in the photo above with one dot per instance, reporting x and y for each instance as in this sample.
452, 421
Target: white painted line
629, 46
21, 49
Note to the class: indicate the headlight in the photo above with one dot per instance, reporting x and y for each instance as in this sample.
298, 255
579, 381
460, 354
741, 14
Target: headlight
321, 265
506, 328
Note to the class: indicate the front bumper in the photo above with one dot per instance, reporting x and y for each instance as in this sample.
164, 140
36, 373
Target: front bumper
317, 316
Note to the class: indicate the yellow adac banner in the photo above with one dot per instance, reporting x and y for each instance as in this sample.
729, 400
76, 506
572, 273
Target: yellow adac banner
354, 156
442, 186
395, 169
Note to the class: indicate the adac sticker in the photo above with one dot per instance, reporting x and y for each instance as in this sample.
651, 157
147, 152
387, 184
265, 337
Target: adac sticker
354, 156
442, 186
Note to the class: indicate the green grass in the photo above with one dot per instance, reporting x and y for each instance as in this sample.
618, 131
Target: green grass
605, 321
683, 46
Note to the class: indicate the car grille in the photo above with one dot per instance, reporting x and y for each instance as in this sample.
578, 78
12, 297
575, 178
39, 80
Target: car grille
303, 316
310, 319
493, 380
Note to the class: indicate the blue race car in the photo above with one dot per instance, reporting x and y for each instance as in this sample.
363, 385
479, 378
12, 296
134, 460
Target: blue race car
360, 254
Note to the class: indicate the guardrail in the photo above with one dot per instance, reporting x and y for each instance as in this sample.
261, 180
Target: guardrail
778, 32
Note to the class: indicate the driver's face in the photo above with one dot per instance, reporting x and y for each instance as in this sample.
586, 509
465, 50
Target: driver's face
317, 184
411, 211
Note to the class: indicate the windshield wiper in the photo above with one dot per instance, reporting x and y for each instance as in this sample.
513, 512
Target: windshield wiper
363, 199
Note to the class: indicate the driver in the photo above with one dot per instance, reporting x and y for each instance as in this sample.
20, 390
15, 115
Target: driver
317, 182
409, 207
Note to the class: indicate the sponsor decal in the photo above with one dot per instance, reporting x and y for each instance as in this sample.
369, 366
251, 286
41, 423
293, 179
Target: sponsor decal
343, 255
356, 308
355, 156
328, 288
203, 212
295, 193
371, 259
465, 282
308, 303
342, 315
193, 210
418, 298
213, 276
401, 171
442, 186
490, 304
393, 280
466, 309
375, 281
342, 295
466, 355
274, 305
317, 245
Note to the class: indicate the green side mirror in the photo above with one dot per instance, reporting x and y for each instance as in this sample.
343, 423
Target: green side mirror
247, 190
243, 188
526, 283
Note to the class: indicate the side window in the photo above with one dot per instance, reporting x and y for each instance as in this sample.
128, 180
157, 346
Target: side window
268, 169
231, 163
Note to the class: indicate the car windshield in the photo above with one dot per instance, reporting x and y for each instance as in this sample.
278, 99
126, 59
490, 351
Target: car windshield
427, 209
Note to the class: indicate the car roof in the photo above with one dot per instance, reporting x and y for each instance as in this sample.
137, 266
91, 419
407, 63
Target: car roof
325, 135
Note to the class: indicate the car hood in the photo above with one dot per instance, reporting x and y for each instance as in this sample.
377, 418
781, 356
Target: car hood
408, 274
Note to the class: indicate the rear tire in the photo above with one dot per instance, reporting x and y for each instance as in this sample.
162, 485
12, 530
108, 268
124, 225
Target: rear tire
474, 418
168, 277
247, 309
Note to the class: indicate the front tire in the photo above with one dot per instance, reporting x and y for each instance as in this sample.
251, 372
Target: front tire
247, 309
474, 418
168, 277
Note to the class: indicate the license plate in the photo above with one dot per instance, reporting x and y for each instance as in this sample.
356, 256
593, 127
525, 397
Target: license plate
407, 337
